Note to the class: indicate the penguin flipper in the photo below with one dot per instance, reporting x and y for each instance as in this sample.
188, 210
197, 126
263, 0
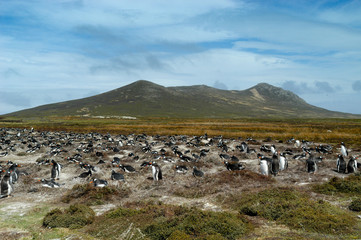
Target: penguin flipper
160, 176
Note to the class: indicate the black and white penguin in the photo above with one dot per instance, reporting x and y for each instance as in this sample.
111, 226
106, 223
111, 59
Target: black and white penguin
197, 172
341, 164
283, 162
85, 174
264, 165
273, 149
117, 176
311, 164
99, 182
127, 168
14, 173
49, 183
275, 164
344, 150
156, 171
352, 165
55, 170
233, 166
6, 185
181, 169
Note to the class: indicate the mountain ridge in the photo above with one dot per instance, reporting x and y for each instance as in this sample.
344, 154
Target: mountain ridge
147, 99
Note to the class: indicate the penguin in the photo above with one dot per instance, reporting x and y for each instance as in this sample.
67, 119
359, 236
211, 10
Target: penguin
311, 164
156, 171
273, 149
14, 173
344, 150
283, 162
49, 183
85, 174
233, 166
352, 165
181, 169
197, 172
56, 169
6, 185
116, 176
127, 168
99, 182
341, 164
264, 166
275, 164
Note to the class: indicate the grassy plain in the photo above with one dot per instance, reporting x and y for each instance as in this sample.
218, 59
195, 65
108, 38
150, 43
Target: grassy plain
320, 130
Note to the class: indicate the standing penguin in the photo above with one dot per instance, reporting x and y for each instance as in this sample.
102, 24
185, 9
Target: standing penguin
341, 164
14, 173
6, 185
283, 162
311, 164
265, 164
156, 171
56, 169
344, 150
275, 165
352, 165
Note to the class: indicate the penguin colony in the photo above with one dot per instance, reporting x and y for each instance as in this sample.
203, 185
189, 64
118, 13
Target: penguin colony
103, 158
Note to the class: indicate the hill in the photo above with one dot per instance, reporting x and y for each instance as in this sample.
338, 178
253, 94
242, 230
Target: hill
146, 99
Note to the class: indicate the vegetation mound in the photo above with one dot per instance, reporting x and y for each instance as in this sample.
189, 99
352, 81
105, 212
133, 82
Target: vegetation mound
171, 222
297, 210
76, 216
90, 195
349, 185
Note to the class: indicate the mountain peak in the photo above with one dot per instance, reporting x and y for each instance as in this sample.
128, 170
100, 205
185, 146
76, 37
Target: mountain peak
147, 99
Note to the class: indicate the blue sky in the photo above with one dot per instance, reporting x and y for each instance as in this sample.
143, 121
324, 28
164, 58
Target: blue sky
53, 51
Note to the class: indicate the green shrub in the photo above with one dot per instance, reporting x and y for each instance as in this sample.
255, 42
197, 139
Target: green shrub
76, 216
355, 205
161, 221
296, 210
349, 185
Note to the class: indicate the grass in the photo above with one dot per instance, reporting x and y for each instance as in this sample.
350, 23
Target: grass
159, 221
295, 210
90, 195
350, 185
320, 130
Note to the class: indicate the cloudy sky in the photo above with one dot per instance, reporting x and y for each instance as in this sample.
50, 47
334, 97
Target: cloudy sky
53, 51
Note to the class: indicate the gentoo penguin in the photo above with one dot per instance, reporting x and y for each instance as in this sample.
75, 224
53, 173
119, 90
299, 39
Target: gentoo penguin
99, 182
117, 176
156, 171
311, 164
352, 165
49, 183
197, 172
127, 168
264, 165
85, 174
273, 149
341, 164
283, 162
55, 170
6, 185
344, 150
275, 164
14, 173
181, 169
233, 166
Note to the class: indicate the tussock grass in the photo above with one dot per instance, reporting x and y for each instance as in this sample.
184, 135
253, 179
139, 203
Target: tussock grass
294, 209
350, 185
168, 221
76, 216
90, 195
320, 130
